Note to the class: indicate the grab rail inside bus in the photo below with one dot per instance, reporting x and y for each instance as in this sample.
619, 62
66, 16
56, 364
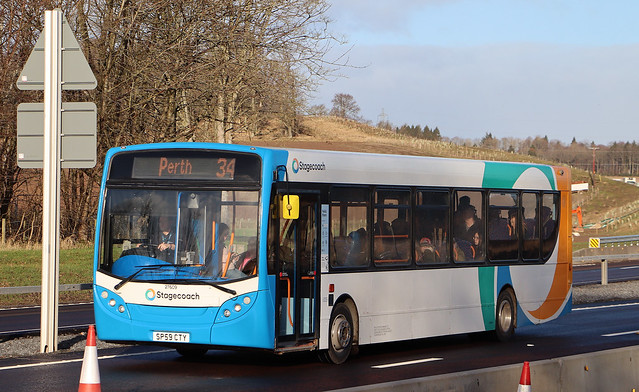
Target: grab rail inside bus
228, 259
288, 294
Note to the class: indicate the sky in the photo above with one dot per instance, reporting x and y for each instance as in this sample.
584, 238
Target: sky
514, 68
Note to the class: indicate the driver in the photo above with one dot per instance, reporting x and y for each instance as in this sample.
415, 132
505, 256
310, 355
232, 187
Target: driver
166, 238
162, 242
167, 235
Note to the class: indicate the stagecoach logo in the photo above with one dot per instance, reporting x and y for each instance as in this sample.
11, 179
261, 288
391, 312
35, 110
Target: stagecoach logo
152, 294
297, 165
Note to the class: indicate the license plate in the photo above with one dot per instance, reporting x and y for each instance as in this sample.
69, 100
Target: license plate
174, 337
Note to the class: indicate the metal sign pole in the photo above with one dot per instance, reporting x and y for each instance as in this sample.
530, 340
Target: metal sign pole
51, 180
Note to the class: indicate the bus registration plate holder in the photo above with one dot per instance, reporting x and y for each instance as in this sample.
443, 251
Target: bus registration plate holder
174, 337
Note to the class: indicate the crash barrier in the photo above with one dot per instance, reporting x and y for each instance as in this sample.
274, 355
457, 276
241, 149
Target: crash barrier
611, 370
37, 289
597, 244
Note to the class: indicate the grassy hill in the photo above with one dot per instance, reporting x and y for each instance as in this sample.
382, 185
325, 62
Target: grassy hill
610, 207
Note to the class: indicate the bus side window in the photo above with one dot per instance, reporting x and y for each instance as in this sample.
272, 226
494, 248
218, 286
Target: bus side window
530, 225
431, 217
468, 226
391, 245
549, 224
503, 226
349, 222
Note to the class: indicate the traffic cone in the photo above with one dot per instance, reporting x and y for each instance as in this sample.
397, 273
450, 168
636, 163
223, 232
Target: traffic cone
90, 375
524, 380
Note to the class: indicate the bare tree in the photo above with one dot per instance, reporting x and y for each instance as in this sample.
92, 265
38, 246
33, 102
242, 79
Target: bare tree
166, 70
344, 106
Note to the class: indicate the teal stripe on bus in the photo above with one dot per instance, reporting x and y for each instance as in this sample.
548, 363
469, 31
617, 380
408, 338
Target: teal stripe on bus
504, 175
487, 295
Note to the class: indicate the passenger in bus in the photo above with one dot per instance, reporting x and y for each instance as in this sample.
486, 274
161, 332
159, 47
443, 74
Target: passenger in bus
357, 247
547, 223
246, 262
512, 224
467, 222
425, 252
477, 245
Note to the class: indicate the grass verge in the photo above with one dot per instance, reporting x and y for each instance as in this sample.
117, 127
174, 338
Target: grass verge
23, 267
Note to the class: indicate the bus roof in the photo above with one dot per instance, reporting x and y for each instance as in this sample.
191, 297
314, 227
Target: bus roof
365, 168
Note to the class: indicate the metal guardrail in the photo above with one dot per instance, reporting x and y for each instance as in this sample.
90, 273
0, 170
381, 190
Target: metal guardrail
620, 239
629, 256
38, 289
604, 262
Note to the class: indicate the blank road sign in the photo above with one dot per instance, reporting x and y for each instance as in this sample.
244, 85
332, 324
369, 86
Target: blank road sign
79, 142
76, 72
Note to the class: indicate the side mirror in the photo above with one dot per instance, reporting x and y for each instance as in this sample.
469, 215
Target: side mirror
290, 206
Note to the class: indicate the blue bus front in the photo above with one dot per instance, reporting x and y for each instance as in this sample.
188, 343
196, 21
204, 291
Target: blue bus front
177, 257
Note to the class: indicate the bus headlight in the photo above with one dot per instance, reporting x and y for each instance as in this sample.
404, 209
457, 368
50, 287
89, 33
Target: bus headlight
236, 307
110, 302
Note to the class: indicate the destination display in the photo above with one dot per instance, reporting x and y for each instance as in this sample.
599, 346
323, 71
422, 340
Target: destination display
185, 165
176, 167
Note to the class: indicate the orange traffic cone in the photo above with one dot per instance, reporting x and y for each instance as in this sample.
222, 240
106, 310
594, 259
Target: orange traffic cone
524, 380
90, 375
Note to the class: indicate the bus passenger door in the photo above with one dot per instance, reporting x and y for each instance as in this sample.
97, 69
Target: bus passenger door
298, 261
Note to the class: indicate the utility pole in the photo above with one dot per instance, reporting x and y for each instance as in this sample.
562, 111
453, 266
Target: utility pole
382, 119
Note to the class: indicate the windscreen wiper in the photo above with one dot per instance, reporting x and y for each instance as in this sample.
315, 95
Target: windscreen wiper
203, 282
133, 275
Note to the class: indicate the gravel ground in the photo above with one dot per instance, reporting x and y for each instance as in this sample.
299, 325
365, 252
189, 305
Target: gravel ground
28, 346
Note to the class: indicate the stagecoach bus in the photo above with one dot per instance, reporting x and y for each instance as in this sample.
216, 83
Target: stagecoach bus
203, 246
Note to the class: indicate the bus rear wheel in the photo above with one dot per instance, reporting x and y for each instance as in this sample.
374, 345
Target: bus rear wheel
340, 335
506, 315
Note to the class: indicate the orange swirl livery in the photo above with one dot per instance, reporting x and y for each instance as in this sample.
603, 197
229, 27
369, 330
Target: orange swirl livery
561, 288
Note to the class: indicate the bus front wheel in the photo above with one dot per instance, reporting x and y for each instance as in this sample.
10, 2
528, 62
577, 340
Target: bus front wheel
191, 352
506, 315
340, 335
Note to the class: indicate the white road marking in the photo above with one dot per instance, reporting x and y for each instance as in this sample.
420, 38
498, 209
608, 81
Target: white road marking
389, 365
610, 335
28, 365
605, 306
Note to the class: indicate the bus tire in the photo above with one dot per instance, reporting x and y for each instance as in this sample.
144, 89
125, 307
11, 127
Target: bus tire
191, 352
505, 315
340, 335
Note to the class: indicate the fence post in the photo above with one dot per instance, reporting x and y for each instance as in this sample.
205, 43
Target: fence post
4, 230
604, 272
